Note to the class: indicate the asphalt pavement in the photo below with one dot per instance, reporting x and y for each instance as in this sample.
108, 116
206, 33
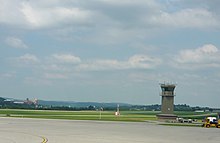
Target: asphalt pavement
18, 130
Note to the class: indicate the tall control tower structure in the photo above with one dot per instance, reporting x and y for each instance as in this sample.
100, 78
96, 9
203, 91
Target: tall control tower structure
167, 103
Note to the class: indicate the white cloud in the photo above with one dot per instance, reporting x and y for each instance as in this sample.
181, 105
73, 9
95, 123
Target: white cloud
55, 76
131, 2
205, 56
41, 14
66, 58
105, 22
16, 43
10, 12
134, 62
66, 67
113, 13
7, 75
100, 65
143, 61
196, 18
27, 59
46, 17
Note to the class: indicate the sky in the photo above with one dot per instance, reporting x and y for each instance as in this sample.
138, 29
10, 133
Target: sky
110, 50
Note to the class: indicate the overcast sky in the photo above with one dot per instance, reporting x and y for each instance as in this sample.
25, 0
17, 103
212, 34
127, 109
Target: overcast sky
110, 50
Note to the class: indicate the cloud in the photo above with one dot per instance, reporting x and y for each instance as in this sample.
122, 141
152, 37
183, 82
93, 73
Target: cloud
10, 13
143, 61
202, 57
52, 69
61, 65
44, 17
66, 58
134, 62
104, 22
126, 2
195, 18
27, 59
55, 76
16, 43
100, 65
7, 75
102, 13
41, 14
66, 66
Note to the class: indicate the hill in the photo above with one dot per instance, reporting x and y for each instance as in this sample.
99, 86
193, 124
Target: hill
79, 104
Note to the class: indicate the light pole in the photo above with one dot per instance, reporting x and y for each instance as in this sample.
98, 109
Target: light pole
100, 113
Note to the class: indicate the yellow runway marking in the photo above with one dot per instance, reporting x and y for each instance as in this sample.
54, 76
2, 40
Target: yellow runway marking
45, 140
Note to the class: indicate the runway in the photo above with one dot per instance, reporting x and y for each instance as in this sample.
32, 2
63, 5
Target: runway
15, 130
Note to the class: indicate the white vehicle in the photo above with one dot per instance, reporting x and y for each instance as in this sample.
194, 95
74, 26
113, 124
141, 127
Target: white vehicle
182, 120
212, 119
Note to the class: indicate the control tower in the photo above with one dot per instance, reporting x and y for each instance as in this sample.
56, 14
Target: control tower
167, 103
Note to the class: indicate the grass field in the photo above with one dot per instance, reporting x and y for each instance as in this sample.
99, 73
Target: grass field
79, 115
132, 116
